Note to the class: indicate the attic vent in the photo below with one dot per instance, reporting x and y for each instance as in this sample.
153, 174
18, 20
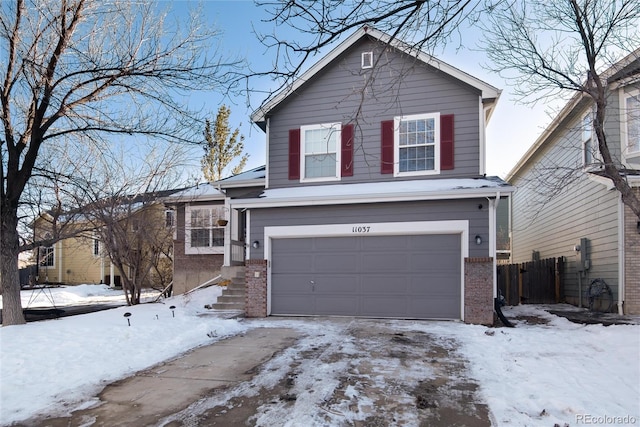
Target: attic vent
367, 60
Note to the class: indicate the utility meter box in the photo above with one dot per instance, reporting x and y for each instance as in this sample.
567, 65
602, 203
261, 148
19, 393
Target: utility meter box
583, 254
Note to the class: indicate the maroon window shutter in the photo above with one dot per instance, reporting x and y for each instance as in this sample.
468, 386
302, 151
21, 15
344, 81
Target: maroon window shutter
346, 155
294, 154
387, 146
446, 142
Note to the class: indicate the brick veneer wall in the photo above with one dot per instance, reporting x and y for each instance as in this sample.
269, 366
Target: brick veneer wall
478, 291
631, 261
256, 283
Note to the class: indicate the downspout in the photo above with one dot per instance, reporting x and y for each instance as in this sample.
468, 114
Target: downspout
493, 214
621, 255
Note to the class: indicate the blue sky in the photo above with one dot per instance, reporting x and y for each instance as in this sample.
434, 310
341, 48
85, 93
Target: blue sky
512, 130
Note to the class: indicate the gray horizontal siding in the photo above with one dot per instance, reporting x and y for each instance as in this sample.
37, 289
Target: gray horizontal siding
550, 214
402, 86
376, 213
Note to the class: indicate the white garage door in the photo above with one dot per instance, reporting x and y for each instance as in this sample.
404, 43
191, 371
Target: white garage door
371, 276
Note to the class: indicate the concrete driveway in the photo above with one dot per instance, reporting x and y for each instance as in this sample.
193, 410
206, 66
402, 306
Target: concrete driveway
298, 372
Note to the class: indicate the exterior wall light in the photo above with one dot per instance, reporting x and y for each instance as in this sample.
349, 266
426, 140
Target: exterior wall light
255, 244
478, 240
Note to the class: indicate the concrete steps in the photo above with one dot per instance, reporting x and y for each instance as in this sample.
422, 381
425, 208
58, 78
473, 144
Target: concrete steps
233, 296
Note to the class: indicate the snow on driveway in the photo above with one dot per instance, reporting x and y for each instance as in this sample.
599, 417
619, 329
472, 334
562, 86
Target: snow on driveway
534, 374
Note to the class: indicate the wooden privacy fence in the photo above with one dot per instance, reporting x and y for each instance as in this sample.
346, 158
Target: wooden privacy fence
533, 282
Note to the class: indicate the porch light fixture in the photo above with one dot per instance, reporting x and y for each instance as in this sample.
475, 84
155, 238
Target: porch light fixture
638, 227
255, 244
478, 240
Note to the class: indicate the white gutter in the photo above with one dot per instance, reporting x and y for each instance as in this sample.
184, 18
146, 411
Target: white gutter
347, 199
621, 255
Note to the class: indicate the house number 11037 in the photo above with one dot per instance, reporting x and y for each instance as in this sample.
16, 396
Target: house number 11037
361, 229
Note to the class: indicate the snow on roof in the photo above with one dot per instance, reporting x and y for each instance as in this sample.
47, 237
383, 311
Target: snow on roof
380, 192
251, 177
204, 191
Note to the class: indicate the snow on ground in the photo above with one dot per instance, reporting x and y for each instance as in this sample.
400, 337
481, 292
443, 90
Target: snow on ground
535, 374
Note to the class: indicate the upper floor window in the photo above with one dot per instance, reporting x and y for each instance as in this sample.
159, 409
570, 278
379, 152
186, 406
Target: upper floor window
203, 235
417, 144
46, 256
367, 60
169, 218
96, 245
589, 144
320, 156
632, 120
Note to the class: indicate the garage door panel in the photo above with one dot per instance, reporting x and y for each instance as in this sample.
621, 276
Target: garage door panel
334, 305
385, 262
292, 283
387, 284
384, 244
292, 304
376, 276
293, 263
344, 262
331, 244
337, 284
389, 306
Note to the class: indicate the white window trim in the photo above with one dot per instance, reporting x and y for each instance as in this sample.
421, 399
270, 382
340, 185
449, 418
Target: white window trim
96, 238
624, 136
366, 60
188, 249
396, 144
337, 128
596, 162
54, 255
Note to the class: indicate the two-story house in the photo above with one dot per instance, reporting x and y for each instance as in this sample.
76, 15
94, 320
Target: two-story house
565, 207
374, 201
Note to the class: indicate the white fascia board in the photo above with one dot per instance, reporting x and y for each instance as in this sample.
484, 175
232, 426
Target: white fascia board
488, 91
469, 193
260, 182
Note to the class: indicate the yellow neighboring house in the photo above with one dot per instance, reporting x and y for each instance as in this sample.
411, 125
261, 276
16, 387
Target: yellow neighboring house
83, 259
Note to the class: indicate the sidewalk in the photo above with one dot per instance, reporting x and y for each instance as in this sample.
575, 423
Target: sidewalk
149, 396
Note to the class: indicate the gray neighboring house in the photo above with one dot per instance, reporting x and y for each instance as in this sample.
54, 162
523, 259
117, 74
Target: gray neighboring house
565, 207
375, 200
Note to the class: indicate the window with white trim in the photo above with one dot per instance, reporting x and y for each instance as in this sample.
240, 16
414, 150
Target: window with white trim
632, 122
367, 60
47, 258
320, 152
203, 235
96, 246
417, 144
169, 218
589, 145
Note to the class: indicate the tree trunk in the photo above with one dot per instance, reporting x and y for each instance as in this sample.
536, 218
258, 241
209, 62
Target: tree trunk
9, 275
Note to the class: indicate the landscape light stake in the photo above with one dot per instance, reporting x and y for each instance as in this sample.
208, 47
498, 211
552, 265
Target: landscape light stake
173, 313
127, 315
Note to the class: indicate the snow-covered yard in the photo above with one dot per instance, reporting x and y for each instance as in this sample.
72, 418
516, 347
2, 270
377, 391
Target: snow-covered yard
548, 373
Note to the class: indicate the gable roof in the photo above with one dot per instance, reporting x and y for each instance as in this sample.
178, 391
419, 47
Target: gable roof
630, 64
490, 94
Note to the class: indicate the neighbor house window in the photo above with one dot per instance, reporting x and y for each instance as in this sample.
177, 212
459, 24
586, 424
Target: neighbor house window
417, 144
169, 218
632, 119
96, 247
320, 156
47, 256
203, 235
367, 60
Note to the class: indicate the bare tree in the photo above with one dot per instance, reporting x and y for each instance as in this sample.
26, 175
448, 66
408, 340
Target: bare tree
82, 71
548, 49
125, 210
421, 23
222, 147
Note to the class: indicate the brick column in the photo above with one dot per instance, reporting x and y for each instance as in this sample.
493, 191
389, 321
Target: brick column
631, 261
256, 292
478, 291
